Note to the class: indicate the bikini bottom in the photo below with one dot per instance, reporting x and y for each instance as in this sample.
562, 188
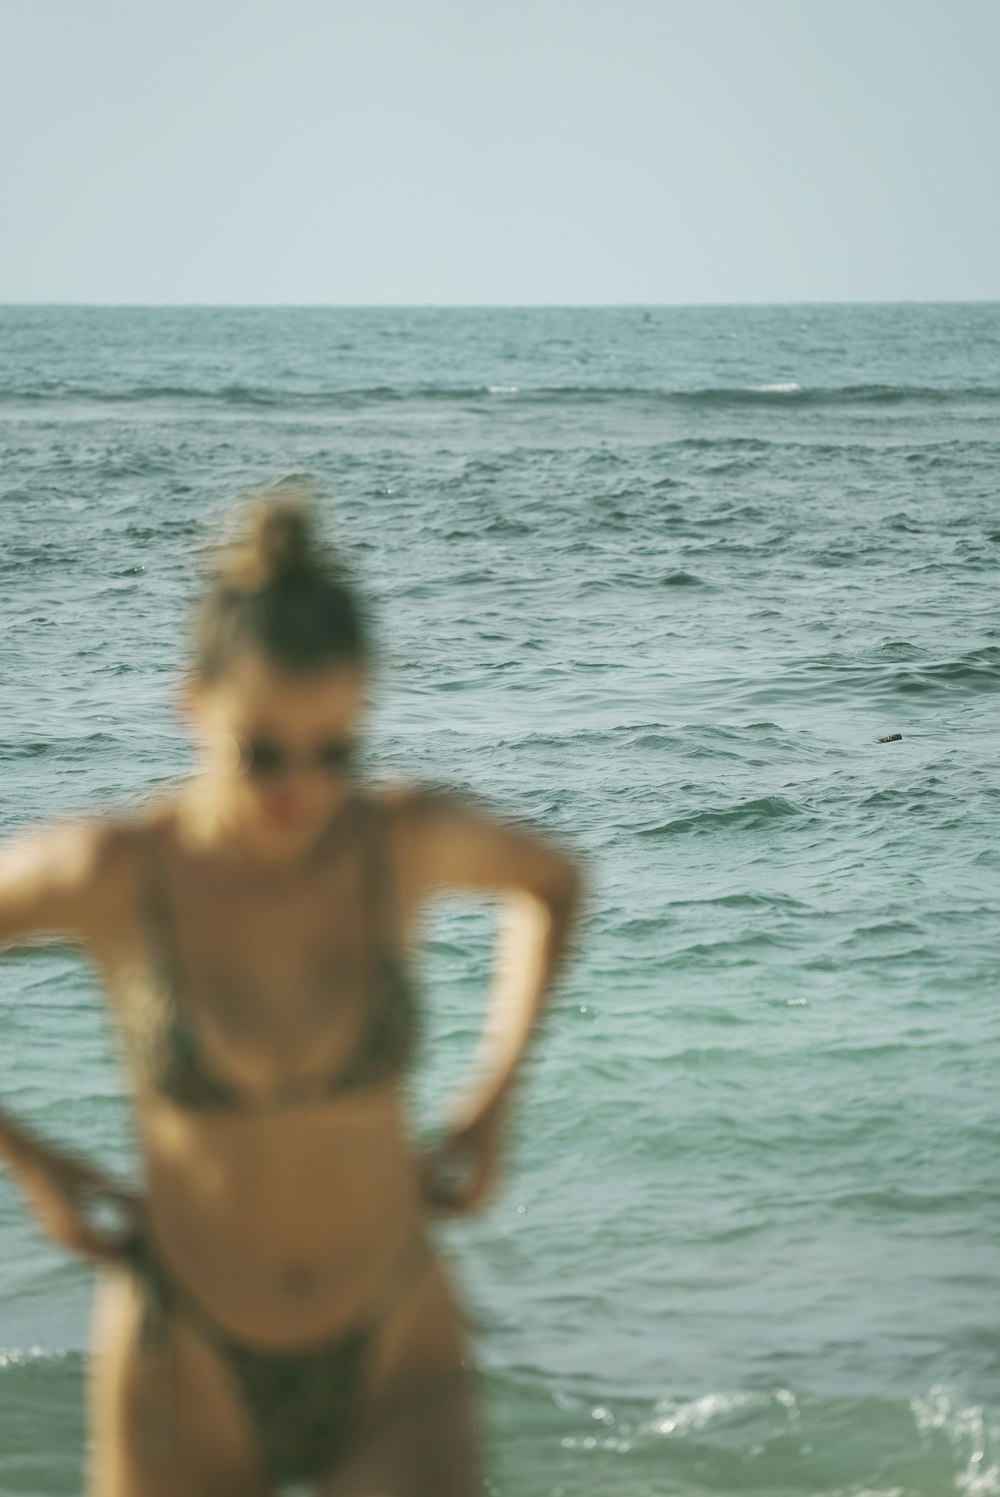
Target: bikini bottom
302, 1404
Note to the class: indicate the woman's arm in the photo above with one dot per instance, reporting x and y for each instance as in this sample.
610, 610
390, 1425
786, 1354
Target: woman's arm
55, 882
460, 846
61, 1188
50, 880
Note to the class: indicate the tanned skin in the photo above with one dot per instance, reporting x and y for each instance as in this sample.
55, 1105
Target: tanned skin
265, 877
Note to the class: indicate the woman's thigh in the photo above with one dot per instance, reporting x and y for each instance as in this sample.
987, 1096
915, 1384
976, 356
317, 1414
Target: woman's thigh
163, 1420
419, 1427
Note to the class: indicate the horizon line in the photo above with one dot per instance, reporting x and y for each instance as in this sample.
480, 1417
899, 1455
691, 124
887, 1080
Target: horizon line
471, 306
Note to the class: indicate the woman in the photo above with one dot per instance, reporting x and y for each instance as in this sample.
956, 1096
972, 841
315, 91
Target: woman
274, 1310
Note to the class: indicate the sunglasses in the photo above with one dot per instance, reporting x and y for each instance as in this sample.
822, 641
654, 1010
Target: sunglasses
266, 759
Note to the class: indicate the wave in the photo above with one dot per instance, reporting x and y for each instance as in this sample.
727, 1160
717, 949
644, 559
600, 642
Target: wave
759, 1441
42, 1441
277, 396
882, 681
590, 1435
748, 815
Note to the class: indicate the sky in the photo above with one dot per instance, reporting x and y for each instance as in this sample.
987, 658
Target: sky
497, 152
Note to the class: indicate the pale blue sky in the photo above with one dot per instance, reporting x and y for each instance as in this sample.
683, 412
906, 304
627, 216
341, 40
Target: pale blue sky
534, 151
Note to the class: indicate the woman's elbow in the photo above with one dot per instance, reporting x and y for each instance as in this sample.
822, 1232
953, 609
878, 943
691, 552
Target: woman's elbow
569, 884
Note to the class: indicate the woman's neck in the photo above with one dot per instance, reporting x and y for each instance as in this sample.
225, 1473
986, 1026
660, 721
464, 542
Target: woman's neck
210, 823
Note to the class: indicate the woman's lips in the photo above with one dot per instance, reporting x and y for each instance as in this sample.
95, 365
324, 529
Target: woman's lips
284, 810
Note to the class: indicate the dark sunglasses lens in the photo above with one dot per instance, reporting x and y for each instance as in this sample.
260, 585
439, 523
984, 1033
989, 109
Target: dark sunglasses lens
333, 756
264, 759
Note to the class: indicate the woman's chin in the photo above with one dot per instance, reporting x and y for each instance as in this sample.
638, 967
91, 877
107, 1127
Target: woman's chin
283, 829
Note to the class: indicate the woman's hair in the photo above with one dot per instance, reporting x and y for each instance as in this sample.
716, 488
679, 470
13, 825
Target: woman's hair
280, 590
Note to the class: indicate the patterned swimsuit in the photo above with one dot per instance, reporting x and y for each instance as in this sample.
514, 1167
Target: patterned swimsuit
302, 1404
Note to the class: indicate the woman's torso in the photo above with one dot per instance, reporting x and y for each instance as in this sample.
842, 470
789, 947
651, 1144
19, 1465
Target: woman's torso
265, 1020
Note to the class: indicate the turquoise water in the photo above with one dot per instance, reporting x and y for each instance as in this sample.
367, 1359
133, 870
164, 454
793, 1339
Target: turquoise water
656, 580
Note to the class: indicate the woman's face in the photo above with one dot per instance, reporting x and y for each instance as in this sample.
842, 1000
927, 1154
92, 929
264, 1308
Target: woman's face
272, 745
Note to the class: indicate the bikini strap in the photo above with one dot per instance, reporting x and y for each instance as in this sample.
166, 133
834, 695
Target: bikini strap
154, 905
378, 872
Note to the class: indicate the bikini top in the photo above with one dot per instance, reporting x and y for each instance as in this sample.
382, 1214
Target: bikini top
160, 1036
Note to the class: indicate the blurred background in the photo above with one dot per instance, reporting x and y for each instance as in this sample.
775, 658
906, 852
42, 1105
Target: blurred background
647, 362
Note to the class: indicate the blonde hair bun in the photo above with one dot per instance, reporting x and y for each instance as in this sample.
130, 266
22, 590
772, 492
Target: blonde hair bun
278, 541
277, 586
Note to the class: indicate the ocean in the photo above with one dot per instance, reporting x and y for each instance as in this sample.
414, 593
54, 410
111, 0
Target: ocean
655, 580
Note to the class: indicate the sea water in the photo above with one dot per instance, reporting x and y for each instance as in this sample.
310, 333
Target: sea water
654, 581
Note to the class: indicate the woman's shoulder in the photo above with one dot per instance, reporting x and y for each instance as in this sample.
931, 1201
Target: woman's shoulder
409, 807
70, 850
412, 800
70, 874
116, 838
105, 849
429, 817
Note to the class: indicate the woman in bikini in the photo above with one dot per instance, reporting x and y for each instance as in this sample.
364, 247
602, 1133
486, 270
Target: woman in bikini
271, 1308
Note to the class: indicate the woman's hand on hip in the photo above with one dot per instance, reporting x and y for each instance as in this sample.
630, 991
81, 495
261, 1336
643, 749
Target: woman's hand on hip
463, 1168
67, 1193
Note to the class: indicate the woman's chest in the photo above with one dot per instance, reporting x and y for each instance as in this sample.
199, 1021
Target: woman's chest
244, 992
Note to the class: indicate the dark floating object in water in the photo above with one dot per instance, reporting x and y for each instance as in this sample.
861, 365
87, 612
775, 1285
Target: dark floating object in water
890, 738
